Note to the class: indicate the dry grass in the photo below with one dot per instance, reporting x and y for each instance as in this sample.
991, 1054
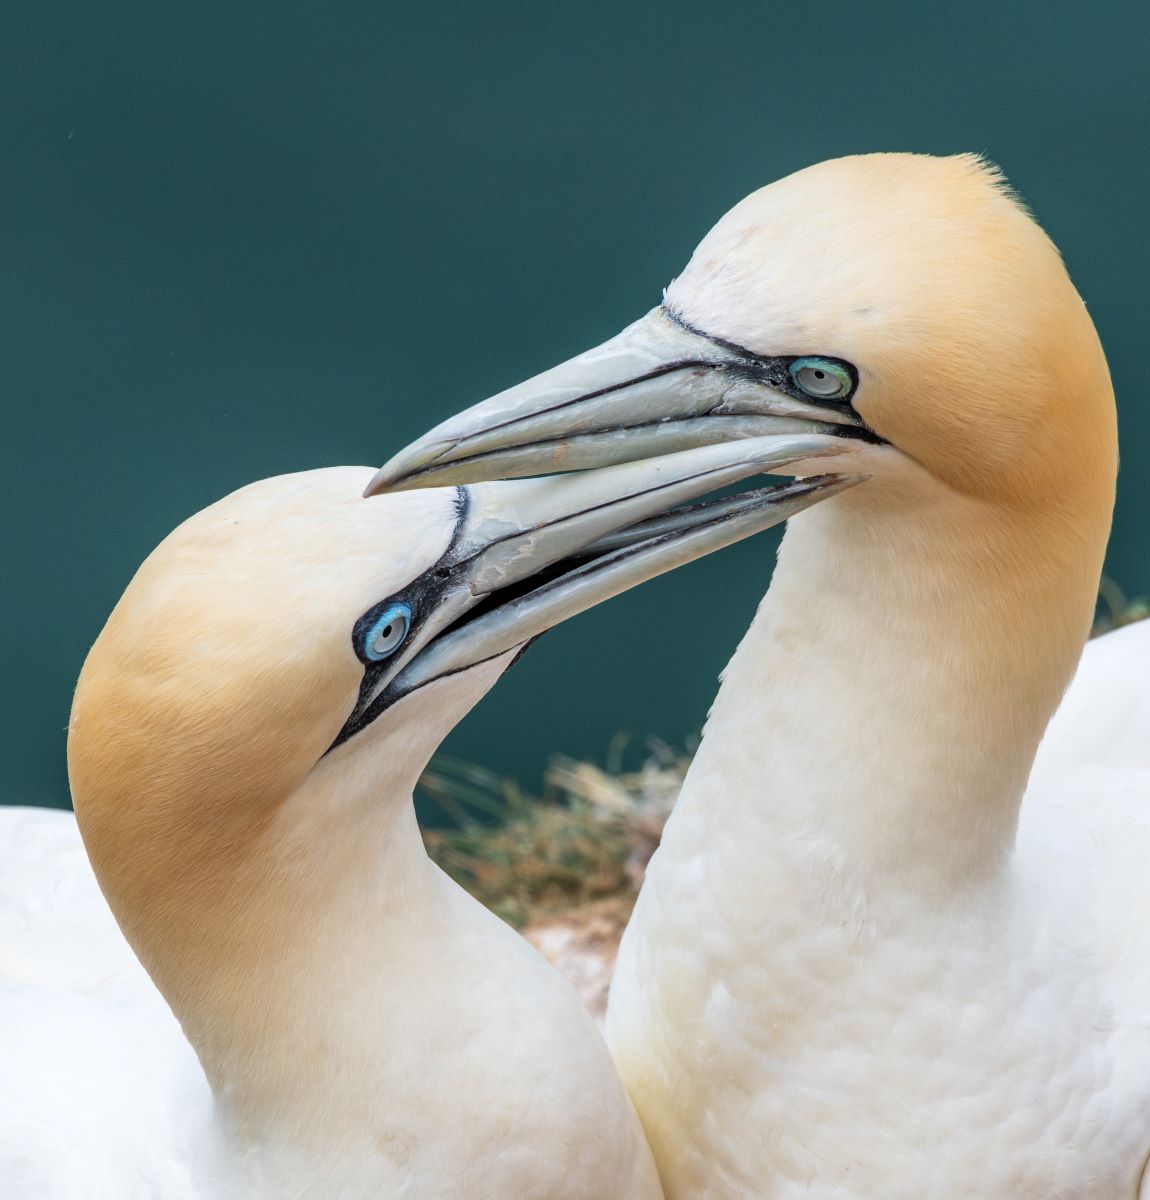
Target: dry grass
587, 838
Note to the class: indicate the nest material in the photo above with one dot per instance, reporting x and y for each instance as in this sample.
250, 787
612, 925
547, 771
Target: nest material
563, 868
588, 838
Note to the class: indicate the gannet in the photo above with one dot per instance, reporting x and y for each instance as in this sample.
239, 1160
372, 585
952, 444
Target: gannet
245, 738
877, 953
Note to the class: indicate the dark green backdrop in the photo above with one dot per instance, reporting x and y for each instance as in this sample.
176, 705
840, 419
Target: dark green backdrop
245, 238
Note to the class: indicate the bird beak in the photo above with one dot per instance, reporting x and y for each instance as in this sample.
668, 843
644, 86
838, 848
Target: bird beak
656, 388
530, 553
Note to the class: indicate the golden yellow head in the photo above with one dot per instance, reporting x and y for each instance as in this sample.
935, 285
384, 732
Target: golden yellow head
925, 277
975, 355
298, 642
228, 666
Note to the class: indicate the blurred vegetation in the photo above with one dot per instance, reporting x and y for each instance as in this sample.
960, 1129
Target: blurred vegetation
588, 835
1116, 609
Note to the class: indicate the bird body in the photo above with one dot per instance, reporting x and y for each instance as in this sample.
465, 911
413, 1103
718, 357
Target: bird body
861, 963
90, 1047
857, 1045
872, 987
104, 1096
904, 985
101, 1094
1103, 718
361, 1026
291, 999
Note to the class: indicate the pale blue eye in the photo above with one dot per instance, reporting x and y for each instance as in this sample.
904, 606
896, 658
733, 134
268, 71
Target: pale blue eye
821, 379
388, 633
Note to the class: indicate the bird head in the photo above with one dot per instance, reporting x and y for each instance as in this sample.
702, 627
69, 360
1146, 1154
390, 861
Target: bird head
298, 648
904, 302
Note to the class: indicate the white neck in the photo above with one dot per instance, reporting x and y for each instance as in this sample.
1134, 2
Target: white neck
294, 1020
365, 1025
885, 706
301, 948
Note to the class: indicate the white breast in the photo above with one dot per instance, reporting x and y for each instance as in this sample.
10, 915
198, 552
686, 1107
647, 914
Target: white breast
102, 1097
787, 1032
100, 1093
1104, 718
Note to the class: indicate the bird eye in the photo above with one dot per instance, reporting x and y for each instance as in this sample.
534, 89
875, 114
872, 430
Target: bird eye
821, 379
388, 633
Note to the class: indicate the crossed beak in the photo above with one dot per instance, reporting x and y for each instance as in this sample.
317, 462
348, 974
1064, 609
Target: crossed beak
530, 553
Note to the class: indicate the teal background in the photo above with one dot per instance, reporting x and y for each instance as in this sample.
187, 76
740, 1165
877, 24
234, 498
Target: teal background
245, 238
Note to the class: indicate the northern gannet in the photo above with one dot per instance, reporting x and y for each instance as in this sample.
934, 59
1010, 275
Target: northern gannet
245, 738
862, 964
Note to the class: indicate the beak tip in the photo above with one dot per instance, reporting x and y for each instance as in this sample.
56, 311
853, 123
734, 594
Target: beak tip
378, 483
399, 472
390, 477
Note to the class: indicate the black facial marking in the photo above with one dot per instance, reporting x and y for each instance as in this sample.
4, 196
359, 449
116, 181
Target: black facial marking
775, 369
421, 596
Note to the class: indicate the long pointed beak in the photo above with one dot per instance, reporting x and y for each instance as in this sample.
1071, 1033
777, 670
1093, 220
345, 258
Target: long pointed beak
530, 553
656, 388
633, 560
517, 528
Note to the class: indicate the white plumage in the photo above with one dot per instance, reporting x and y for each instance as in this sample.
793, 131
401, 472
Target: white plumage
893, 943
883, 950
101, 1095
95, 1072
367, 1028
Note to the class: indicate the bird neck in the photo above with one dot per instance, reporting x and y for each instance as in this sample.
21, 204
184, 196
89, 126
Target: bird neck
292, 1006
884, 708
291, 969
288, 934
